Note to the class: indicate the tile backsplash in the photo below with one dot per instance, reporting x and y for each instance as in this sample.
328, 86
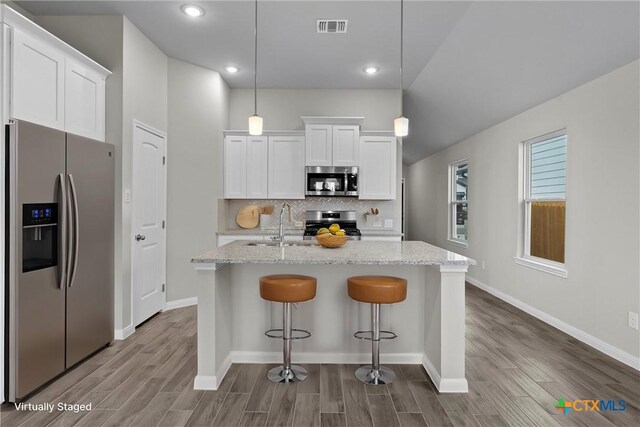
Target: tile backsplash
388, 210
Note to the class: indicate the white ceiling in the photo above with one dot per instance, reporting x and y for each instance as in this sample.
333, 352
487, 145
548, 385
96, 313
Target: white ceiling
468, 65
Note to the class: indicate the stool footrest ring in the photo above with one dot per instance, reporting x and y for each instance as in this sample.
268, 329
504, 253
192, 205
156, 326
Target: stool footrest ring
384, 335
302, 334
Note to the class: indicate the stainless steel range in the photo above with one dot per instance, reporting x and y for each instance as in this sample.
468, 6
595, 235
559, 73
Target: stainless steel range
316, 220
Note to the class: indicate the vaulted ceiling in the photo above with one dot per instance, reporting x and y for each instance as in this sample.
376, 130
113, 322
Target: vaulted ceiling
468, 65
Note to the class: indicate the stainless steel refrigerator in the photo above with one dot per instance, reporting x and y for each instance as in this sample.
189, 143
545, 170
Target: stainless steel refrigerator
60, 227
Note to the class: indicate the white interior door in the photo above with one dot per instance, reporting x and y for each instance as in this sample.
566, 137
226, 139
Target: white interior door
149, 254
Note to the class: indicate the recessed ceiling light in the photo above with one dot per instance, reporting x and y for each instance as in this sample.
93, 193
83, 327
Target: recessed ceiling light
191, 10
371, 70
232, 69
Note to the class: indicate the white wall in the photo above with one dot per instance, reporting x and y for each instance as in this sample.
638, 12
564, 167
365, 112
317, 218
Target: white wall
198, 113
602, 248
282, 108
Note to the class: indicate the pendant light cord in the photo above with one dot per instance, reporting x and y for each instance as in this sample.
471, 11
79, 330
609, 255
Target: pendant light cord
401, 54
255, 62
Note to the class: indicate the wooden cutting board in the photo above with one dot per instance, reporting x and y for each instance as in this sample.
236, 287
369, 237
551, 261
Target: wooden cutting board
248, 216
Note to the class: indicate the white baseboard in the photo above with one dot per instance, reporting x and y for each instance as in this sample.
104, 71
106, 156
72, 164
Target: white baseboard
459, 385
172, 305
608, 349
212, 382
331, 358
122, 334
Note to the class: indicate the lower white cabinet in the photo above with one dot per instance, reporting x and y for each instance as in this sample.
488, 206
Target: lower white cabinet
377, 179
286, 167
381, 238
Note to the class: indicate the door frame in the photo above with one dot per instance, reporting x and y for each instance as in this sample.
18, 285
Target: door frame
144, 127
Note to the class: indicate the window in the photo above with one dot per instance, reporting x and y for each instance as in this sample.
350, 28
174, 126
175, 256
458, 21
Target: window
545, 173
458, 201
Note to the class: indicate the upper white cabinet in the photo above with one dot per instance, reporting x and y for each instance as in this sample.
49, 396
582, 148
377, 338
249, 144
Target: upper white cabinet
37, 81
286, 167
377, 173
49, 82
84, 100
257, 167
235, 167
332, 141
245, 167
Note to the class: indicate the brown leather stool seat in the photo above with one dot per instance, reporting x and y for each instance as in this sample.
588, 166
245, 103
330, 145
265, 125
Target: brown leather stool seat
377, 289
288, 288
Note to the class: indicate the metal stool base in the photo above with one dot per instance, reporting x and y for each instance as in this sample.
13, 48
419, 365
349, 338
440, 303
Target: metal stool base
295, 374
382, 376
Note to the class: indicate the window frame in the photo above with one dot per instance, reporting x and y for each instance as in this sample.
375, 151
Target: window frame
453, 202
525, 258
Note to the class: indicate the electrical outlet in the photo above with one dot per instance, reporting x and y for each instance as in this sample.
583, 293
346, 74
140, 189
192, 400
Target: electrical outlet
483, 264
633, 320
127, 196
299, 224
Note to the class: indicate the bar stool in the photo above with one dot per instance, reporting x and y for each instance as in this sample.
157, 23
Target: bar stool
376, 290
287, 289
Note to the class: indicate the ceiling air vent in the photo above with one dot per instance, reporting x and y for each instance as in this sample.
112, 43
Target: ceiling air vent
332, 25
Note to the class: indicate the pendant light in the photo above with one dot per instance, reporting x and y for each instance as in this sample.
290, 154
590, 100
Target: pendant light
255, 121
401, 124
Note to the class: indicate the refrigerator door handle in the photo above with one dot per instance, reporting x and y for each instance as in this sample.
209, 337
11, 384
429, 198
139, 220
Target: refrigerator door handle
63, 231
76, 231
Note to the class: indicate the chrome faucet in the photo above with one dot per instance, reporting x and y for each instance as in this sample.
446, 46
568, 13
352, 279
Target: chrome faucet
281, 229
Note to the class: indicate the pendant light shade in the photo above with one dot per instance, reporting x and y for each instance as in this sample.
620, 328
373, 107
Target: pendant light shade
255, 125
255, 121
401, 124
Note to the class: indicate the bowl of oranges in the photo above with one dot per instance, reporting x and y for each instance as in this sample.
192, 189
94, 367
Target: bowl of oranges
332, 237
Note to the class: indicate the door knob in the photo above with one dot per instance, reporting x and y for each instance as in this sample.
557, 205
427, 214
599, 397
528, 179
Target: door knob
140, 237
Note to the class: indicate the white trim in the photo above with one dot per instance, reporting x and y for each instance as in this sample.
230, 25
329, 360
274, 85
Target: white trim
444, 386
324, 120
186, 302
212, 382
547, 267
464, 244
123, 334
334, 358
606, 348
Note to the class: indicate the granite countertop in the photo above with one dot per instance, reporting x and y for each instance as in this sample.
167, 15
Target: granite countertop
296, 232
353, 252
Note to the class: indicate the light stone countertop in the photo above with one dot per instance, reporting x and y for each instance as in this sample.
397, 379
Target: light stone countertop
353, 252
296, 232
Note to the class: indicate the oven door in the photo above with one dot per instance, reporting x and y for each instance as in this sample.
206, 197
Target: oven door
325, 182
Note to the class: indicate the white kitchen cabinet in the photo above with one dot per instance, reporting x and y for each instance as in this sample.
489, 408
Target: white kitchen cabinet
381, 238
377, 179
84, 92
319, 145
286, 167
48, 82
346, 145
332, 145
257, 170
245, 167
37, 81
235, 167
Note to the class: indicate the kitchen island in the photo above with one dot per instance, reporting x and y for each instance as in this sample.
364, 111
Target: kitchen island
430, 323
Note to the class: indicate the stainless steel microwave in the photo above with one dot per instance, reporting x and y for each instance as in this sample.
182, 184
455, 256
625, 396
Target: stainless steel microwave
331, 181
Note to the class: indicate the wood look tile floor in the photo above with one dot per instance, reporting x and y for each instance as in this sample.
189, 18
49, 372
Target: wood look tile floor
517, 368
